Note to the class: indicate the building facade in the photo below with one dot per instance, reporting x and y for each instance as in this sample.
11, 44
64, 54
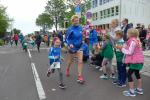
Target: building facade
137, 11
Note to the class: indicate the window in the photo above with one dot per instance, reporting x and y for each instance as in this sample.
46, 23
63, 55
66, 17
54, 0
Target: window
96, 17
108, 11
112, 11
100, 2
93, 4
93, 16
104, 1
117, 10
104, 11
101, 14
96, 3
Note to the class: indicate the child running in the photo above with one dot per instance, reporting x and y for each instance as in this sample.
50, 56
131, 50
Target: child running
134, 58
108, 53
55, 60
121, 67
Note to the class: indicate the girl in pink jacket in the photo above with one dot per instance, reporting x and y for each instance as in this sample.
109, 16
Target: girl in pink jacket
134, 58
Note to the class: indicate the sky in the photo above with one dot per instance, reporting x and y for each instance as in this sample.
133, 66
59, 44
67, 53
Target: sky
24, 13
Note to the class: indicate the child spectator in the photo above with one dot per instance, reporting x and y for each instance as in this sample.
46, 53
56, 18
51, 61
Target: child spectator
134, 58
108, 53
121, 67
97, 57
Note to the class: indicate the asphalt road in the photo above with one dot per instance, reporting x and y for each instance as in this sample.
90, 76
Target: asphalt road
17, 81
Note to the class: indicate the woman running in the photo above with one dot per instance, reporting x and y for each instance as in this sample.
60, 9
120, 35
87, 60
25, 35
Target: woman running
74, 42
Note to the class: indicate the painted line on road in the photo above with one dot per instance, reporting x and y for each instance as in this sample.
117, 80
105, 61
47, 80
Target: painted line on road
29, 54
38, 83
40, 49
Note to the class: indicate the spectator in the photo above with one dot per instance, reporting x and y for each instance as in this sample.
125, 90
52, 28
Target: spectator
148, 37
125, 28
60, 36
114, 27
135, 59
142, 36
108, 53
93, 39
85, 50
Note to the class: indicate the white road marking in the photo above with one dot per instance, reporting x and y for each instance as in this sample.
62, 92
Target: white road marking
38, 83
53, 89
40, 49
29, 53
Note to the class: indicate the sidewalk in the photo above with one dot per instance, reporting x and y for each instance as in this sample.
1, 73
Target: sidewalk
147, 53
146, 69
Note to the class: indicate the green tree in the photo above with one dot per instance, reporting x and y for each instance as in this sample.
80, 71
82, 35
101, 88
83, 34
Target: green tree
45, 21
4, 21
56, 9
86, 5
16, 31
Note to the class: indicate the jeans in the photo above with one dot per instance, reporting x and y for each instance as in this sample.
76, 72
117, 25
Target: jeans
122, 74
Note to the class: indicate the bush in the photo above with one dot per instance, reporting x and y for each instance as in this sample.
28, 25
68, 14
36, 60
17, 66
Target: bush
1, 42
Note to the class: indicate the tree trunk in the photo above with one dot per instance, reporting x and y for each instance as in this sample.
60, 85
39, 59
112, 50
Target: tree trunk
56, 23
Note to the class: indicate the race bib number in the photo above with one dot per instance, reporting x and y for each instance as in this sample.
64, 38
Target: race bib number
55, 65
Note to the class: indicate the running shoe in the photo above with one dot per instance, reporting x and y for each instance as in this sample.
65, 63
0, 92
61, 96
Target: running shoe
80, 79
137, 91
48, 73
103, 77
101, 69
112, 76
97, 67
67, 72
129, 93
62, 86
53, 70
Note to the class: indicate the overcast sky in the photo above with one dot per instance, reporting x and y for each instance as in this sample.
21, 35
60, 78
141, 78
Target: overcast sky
24, 12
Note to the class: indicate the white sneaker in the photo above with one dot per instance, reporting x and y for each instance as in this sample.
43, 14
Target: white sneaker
103, 77
101, 69
112, 76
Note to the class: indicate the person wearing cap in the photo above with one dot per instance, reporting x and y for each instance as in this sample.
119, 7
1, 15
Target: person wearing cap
74, 42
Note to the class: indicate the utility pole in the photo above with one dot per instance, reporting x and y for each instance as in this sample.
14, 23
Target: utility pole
120, 14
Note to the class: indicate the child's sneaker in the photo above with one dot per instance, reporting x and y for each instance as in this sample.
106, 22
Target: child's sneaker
53, 70
48, 73
129, 93
101, 69
97, 67
80, 79
103, 77
62, 86
137, 91
67, 72
112, 76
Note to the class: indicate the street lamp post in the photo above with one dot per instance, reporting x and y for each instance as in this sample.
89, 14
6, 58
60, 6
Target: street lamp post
120, 15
